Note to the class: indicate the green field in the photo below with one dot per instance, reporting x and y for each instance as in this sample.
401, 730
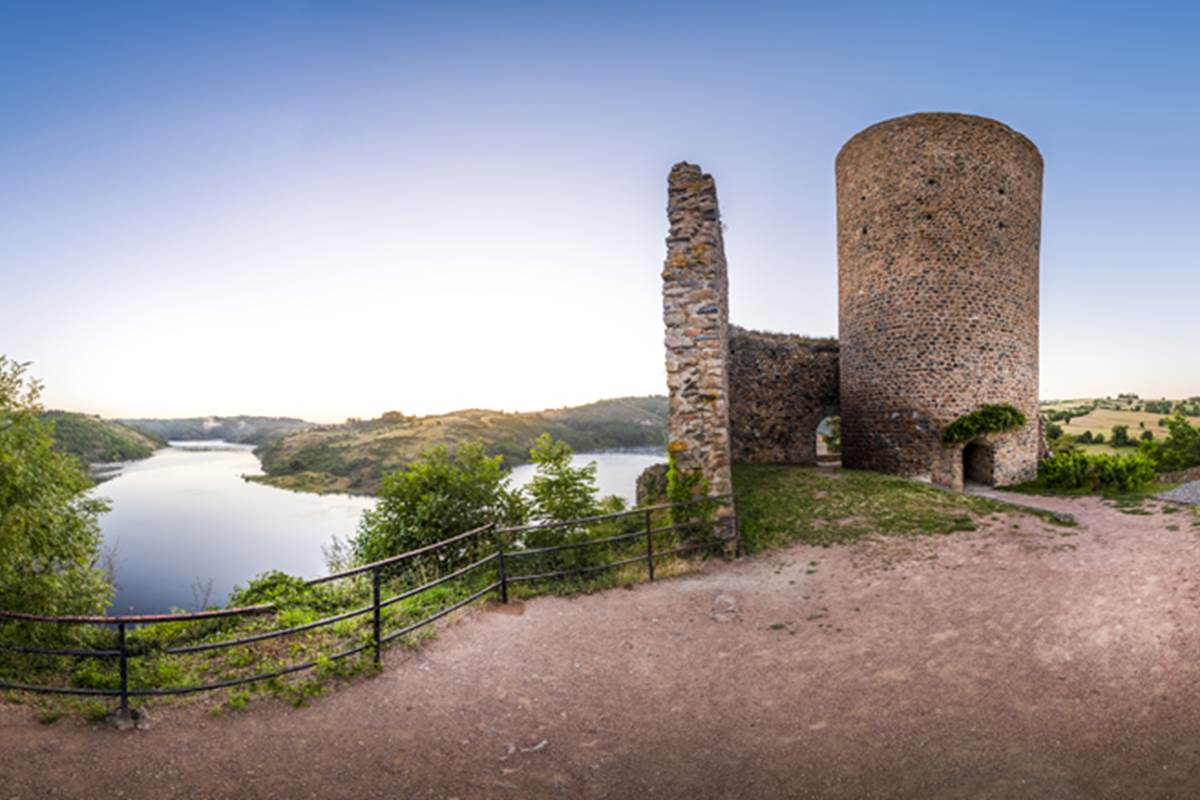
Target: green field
1106, 415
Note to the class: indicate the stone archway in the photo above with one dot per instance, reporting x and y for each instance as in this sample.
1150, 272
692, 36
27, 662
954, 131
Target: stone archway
979, 463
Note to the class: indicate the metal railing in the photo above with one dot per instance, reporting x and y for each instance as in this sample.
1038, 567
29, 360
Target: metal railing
505, 559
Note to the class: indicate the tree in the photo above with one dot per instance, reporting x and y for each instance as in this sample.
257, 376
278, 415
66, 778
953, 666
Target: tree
1120, 436
560, 492
438, 496
50, 543
1053, 431
833, 439
1181, 448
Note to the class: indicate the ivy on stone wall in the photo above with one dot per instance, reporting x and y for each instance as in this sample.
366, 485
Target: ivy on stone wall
987, 419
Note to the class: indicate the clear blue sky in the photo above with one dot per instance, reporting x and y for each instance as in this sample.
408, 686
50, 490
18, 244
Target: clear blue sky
331, 209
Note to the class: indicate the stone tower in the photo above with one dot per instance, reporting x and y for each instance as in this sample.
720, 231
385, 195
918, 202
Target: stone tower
696, 314
939, 225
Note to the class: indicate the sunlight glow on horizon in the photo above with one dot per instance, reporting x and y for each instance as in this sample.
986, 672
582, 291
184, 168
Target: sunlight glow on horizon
322, 212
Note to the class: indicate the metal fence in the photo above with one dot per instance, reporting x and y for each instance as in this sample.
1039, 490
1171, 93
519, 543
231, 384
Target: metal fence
508, 556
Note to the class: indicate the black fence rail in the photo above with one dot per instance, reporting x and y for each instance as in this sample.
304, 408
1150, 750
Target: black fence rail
702, 524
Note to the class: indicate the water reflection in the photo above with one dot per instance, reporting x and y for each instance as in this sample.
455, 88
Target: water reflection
184, 521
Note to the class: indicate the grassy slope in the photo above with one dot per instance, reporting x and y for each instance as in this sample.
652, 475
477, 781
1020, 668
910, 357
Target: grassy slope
778, 505
355, 456
97, 441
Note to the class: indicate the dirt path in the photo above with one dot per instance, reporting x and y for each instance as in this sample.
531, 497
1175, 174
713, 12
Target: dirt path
1007, 662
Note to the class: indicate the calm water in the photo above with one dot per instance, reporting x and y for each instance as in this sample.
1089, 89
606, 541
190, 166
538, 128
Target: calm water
616, 473
185, 516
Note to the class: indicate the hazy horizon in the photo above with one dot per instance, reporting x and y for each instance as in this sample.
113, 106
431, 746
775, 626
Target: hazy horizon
325, 211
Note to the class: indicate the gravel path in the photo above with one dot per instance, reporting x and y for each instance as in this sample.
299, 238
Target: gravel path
1187, 493
1020, 660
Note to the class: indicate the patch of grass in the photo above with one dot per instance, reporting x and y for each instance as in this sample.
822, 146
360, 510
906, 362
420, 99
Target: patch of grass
1145, 493
49, 717
778, 505
238, 700
95, 711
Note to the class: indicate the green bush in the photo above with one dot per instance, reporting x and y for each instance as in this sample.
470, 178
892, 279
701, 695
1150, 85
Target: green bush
50, 543
286, 592
1101, 472
1120, 436
1181, 448
558, 491
987, 419
438, 496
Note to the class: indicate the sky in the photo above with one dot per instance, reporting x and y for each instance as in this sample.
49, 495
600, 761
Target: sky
325, 210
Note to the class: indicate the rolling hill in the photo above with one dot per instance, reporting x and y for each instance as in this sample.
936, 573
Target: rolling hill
354, 457
100, 441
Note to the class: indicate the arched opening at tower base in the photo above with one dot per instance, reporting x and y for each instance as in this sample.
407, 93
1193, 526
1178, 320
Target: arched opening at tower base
979, 463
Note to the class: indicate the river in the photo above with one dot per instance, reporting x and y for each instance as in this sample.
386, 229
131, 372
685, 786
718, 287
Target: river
186, 528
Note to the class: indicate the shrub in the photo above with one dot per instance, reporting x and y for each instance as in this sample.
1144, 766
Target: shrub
1101, 472
438, 496
1120, 436
559, 491
682, 487
1181, 448
987, 419
1053, 431
50, 542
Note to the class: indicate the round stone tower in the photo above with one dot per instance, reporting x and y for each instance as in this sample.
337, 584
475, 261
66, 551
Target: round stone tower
939, 224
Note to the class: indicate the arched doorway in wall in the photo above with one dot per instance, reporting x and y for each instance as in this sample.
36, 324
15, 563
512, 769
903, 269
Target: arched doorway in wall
979, 463
829, 440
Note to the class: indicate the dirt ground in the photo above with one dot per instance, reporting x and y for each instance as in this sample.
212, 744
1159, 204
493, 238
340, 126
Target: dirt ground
1026, 662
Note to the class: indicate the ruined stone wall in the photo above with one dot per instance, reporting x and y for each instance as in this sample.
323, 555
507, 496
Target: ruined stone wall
780, 388
696, 315
939, 225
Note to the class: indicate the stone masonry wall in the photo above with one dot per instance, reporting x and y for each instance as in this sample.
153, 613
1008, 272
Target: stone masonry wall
780, 388
939, 225
696, 315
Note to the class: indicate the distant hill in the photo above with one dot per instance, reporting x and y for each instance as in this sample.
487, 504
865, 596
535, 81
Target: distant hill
241, 429
100, 441
354, 457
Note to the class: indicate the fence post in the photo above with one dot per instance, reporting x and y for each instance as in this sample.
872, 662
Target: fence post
124, 667
649, 546
378, 623
503, 572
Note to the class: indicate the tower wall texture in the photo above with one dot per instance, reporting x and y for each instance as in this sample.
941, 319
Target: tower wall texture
696, 315
939, 225
780, 388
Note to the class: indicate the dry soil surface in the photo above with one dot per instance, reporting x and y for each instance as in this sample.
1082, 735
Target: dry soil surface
1009, 662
